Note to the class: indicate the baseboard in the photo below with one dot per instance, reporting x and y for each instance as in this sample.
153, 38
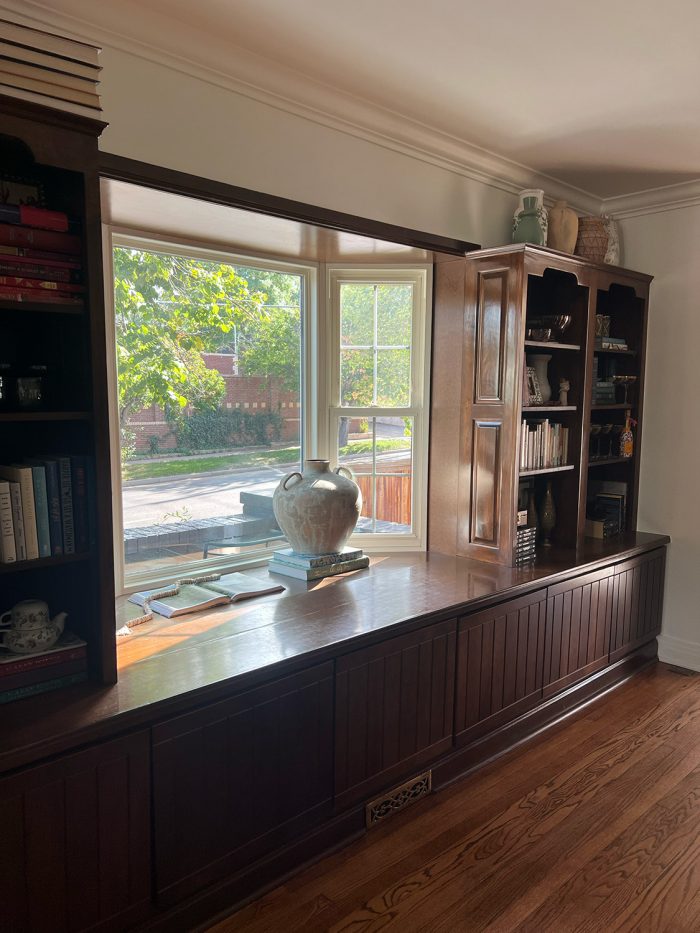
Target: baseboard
679, 652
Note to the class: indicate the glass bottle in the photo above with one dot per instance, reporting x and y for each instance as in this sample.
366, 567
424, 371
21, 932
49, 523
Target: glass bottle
627, 438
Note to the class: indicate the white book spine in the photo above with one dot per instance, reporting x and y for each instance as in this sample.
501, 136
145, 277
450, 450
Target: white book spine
18, 521
8, 553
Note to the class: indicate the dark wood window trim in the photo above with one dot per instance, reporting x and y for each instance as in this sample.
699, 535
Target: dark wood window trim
120, 168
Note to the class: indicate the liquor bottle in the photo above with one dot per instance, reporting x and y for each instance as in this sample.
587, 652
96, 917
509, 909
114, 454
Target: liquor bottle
627, 438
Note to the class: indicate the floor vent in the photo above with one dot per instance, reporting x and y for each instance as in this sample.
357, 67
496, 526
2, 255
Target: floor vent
398, 799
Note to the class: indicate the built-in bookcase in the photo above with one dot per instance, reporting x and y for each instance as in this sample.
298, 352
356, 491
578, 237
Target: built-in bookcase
58, 152
494, 310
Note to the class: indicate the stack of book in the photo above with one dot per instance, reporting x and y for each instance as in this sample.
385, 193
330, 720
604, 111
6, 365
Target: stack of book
288, 562
603, 387
40, 253
44, 509
24, 675
48, 69
611, 343
543, 445
525, 545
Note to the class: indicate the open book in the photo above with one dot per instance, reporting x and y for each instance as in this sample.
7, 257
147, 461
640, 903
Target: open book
193, 597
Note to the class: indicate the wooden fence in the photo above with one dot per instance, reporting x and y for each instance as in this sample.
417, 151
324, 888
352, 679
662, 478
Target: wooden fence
393, 497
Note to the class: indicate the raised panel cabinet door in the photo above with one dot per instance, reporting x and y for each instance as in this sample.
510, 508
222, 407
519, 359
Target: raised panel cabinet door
637, 602
75, 841
238, 778
394, 709
577, 641
499, 665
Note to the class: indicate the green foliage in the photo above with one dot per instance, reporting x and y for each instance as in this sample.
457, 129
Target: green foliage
387, 310
220, 429
171, 309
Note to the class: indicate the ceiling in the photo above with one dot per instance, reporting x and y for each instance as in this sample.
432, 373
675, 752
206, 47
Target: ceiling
603, 95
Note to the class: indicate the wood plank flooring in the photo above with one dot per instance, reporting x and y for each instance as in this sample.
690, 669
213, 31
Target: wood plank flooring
592, 826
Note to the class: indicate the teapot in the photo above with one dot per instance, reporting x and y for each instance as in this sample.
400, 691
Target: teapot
27, 628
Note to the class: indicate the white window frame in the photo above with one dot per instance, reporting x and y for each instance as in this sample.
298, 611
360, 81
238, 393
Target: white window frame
420, 276
310, 395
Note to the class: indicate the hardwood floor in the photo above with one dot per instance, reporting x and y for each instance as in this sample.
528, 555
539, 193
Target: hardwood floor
592, 826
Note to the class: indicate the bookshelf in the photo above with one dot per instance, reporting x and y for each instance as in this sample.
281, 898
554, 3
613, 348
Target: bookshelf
57, 152
496, 311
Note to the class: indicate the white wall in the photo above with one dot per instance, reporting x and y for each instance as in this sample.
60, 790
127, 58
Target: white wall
165, 117
667, 246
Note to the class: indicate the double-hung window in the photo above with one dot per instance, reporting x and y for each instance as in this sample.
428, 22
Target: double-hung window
379, 353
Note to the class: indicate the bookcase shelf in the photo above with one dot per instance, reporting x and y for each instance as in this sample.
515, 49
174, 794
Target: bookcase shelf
616, 352
557, 469
34, 416
605, 461
552, 345
534, 409
59, 156
617, 406
43, 562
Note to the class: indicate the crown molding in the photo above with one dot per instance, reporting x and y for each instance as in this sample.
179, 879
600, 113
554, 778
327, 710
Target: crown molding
250, 75
653, 200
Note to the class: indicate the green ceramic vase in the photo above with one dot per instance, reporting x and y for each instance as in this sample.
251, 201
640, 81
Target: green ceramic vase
528, 227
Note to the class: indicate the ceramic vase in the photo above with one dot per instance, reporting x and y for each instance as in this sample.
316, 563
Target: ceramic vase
562, 227
592, 241
540, 361
612, 254
548, 516
530, 218
317, 509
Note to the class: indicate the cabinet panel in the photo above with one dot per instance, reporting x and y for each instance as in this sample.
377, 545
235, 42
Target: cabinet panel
499, 665
75, 840
579, 614
235, 779
486, 469
637, 602
394, 707
491, 317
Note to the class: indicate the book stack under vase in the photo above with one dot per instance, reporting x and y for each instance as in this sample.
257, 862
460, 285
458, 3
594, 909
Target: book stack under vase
48, 69
23, 675
525, 545
44, 508
316, 567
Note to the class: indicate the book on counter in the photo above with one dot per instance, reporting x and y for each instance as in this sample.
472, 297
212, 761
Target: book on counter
195, 597
317, 573
309, 562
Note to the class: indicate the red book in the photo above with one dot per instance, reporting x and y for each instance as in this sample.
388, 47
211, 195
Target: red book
49, 256
29, 295
41, 674
20, 664
40, 217
14, 281
12, 235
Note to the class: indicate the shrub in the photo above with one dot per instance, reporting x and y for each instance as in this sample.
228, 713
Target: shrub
216, 430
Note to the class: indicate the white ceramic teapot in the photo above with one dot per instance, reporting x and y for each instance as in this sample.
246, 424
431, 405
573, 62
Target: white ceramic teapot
27, 627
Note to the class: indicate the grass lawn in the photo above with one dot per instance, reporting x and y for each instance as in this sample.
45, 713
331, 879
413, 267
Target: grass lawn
247, 459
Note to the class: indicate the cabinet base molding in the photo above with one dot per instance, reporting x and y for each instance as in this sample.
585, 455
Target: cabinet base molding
547, 714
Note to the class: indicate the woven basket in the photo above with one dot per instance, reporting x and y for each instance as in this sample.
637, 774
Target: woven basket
592, 242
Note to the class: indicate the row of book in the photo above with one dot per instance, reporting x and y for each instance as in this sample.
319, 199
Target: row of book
543, 444
48, 69
40, 257
44, 508
23, 675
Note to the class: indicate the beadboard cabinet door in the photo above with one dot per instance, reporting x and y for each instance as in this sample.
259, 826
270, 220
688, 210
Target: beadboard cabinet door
499, 665
75, 841
394, 710
637, 602
236, 779
579, 615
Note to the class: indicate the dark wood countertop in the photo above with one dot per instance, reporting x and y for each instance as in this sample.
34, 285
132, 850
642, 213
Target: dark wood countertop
167, 666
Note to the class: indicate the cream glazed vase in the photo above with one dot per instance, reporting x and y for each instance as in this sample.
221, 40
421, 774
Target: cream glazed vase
318, 509
563, 227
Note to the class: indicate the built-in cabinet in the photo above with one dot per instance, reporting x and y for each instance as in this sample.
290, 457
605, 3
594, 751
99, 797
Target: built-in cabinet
75, 840
234, 780
496, 312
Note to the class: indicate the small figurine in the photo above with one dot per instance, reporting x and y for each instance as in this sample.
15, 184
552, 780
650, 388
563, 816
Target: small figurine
564, 386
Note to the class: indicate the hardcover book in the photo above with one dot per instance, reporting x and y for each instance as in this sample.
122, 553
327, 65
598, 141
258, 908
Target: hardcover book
195, 597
